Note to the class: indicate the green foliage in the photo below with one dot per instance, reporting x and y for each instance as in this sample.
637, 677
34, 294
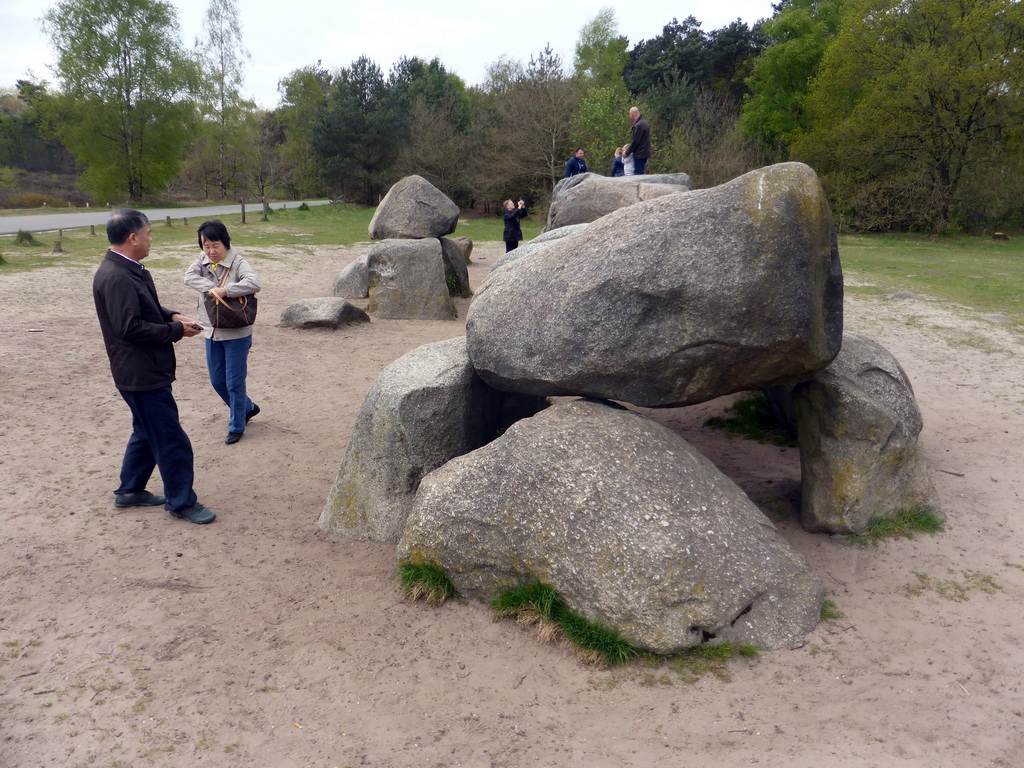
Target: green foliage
303, 207
601, 124
902, 523
798, 35
356, 135
539, 603
425, 582
33, 200
457, 288
754, 419
601, 52
126, 109
913, 104
25, 238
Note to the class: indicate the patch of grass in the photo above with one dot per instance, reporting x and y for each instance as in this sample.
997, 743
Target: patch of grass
830, 611
754, 420
25, 238
425, 582
457, 288
954, 589
903, 523
978, 272
705, 659
538, 604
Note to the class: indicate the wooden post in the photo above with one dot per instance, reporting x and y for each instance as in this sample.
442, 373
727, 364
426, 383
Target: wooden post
243, 211
92, 230
168, 221
266, 209
57, 245
184, 220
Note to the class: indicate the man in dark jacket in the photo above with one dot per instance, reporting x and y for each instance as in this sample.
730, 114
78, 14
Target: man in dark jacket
575, 164
139, 336
640, 143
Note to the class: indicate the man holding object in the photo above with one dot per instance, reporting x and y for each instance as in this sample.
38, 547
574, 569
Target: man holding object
139, 336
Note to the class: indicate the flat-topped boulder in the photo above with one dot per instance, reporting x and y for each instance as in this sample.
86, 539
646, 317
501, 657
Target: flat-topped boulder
671, 301
323, 312
595, 196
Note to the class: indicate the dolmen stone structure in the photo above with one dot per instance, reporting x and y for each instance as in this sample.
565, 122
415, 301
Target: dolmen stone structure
415, 270
665, 302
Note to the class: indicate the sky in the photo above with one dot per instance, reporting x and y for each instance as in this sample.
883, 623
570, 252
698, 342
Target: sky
283, 35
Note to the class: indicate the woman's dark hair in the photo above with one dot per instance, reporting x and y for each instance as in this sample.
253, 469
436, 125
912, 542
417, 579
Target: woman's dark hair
214, 230
123, 223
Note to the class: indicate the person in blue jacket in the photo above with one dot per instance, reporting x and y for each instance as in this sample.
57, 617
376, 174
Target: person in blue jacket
617, 167
576, 164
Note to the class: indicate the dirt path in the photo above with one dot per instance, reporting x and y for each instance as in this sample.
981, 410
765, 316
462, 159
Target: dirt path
128, 638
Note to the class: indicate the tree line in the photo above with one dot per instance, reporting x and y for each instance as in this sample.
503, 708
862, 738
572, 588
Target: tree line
909, 110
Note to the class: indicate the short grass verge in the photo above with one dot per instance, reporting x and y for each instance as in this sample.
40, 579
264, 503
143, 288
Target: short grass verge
539, 605
904, 523
753, 418
425, 582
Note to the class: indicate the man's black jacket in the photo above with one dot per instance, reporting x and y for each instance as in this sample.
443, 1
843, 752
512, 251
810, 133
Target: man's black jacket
137, 331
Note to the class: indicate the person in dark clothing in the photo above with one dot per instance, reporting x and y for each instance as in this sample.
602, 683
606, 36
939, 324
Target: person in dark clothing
640, 143
575, 165
618, 169
513, 232
139, 336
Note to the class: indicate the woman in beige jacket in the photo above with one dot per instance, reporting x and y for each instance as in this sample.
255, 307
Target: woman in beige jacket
227, 349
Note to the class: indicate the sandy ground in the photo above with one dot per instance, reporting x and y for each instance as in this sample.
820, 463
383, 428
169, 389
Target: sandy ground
128, 638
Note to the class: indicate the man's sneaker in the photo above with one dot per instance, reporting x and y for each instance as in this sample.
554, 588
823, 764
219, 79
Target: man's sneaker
140, 499
197, 514
254, 412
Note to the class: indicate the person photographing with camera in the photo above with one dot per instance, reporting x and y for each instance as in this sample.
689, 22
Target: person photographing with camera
513, 232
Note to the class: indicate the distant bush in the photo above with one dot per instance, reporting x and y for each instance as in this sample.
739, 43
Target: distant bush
33, 200
25, 238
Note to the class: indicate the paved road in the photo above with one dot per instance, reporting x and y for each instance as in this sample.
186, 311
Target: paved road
50, 222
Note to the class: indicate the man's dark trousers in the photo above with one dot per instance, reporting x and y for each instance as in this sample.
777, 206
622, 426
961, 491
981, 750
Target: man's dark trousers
639, 166
157, 441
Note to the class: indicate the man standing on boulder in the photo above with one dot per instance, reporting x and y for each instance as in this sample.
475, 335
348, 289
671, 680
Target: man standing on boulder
576, 164
139, 335
640, 143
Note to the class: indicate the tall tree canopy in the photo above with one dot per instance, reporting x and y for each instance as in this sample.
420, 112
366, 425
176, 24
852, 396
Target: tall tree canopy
798, 35
601, 51
914, 100
128, 91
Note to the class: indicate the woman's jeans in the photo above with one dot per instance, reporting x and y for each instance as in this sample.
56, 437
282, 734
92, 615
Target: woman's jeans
228, 363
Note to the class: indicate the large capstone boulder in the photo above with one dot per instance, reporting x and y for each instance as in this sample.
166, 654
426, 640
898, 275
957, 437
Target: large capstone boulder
353, 282
414, 208
324, 312
857, 427
407, 281
425, 408
625, 520
456, 269
597, 196
672, 301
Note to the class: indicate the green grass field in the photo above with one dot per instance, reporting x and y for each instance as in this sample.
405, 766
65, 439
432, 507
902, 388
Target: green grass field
984, 275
